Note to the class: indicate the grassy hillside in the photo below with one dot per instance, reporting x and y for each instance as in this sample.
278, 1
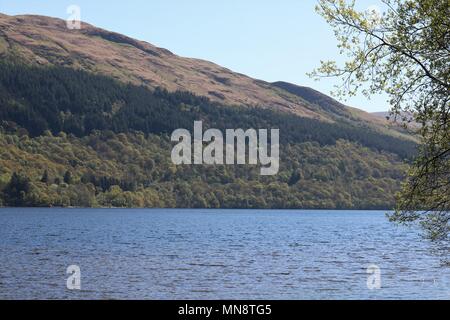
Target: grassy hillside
46, 41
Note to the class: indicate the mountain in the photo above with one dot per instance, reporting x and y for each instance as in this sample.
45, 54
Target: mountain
381, 114
328, 104
86, 117
403, 117
47, 41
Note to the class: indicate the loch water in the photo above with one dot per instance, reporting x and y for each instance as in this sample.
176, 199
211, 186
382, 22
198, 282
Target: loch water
215, 254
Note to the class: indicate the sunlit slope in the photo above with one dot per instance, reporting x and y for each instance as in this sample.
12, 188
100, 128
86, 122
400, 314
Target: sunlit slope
47, 41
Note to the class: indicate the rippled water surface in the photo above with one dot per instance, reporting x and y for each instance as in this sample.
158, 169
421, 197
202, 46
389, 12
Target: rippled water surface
214, 254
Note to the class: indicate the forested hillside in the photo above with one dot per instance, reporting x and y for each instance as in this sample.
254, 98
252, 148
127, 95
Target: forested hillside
46, 41
72, 138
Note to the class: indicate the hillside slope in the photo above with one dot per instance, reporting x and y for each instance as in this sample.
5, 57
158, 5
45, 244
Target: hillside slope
86, 118
46, 41
78, 139
341, 112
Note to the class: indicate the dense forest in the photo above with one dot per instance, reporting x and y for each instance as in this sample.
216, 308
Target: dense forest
72, 138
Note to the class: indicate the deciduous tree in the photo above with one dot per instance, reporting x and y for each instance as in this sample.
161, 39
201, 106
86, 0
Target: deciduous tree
403, 49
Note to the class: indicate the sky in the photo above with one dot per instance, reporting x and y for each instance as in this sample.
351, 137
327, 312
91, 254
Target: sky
265, 39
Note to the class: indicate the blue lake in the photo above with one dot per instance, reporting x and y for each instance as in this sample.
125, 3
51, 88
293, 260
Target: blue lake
214, 254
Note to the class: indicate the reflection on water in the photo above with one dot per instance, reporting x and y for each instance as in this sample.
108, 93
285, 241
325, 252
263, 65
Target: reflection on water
214, 254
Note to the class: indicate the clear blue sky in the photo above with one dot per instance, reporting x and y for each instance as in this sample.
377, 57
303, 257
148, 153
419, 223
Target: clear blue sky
265, 39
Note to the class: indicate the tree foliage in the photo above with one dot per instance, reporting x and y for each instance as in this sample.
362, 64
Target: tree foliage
61, 99
135, 170
403, 50
88, 140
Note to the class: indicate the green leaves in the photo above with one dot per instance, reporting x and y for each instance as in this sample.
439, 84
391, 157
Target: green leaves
406, 53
